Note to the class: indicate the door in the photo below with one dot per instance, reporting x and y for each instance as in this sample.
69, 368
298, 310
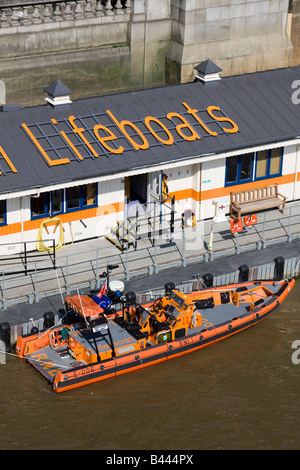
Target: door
136, 188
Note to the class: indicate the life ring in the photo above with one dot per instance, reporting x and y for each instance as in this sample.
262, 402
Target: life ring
188, 219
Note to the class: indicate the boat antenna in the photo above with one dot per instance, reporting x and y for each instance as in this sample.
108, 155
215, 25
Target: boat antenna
64, 306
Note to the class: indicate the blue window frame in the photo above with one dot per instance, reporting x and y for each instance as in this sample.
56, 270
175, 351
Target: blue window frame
253, 166
53, 203
3, 219
268, 163
56, 202
81, 197
48, 204
239, 169
40, 206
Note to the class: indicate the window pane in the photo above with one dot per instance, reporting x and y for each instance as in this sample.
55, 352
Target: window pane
275, 162
89, 194
2, 211
39, 205
232, 165
74, 197
246, 166
56, 201
261, 164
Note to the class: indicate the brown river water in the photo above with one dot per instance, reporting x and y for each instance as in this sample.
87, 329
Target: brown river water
242, 393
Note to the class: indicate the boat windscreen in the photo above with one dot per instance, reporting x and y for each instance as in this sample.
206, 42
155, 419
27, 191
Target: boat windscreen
144, 317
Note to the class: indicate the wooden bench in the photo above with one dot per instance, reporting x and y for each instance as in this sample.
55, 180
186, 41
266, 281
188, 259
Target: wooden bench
256, 199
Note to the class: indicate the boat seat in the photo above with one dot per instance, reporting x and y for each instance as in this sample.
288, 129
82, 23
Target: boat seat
134, 329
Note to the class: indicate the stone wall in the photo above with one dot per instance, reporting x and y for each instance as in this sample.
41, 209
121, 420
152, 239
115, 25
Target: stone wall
96, 49
91, 48
239, 35
295, 30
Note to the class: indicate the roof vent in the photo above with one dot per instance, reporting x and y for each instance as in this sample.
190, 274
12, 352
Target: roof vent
208, 73
58, 95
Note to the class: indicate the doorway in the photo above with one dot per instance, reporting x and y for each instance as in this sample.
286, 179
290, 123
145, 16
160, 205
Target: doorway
136, 188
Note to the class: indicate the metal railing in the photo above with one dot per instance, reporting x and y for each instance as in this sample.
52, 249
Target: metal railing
291, 268
82, 269
24, 260
38, 11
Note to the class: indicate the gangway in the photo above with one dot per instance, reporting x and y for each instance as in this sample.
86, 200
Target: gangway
145, 222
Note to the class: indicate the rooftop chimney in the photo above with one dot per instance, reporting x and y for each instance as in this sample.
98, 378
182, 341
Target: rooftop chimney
208, 73
58, 95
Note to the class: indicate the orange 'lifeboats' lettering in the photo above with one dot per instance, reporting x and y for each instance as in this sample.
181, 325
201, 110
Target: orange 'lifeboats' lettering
168, 141
8, 161
80, 131
194, 112
231, 130
121, 125
58, 161
104, 139
185, 125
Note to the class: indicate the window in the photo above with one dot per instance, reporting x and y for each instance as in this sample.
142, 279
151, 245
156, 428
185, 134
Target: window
2, 213
81, 197
268, 163
40, 206
73, 198
52, 203
253, 166
56, 202
48, 204
89, 194
239, 169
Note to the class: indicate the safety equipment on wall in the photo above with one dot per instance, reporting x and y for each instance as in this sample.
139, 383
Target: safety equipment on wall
250, 220
165, 188
188, 219
41, 246
236, 225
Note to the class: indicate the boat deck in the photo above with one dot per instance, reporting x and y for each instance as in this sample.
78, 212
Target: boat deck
220, 314
49, 361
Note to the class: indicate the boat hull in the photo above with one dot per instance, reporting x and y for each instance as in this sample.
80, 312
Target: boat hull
98, 371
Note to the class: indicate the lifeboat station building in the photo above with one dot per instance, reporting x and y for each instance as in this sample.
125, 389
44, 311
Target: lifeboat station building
86, 162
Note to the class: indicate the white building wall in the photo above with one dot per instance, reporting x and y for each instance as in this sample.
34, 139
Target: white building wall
212, 178
197, 187
181, 182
